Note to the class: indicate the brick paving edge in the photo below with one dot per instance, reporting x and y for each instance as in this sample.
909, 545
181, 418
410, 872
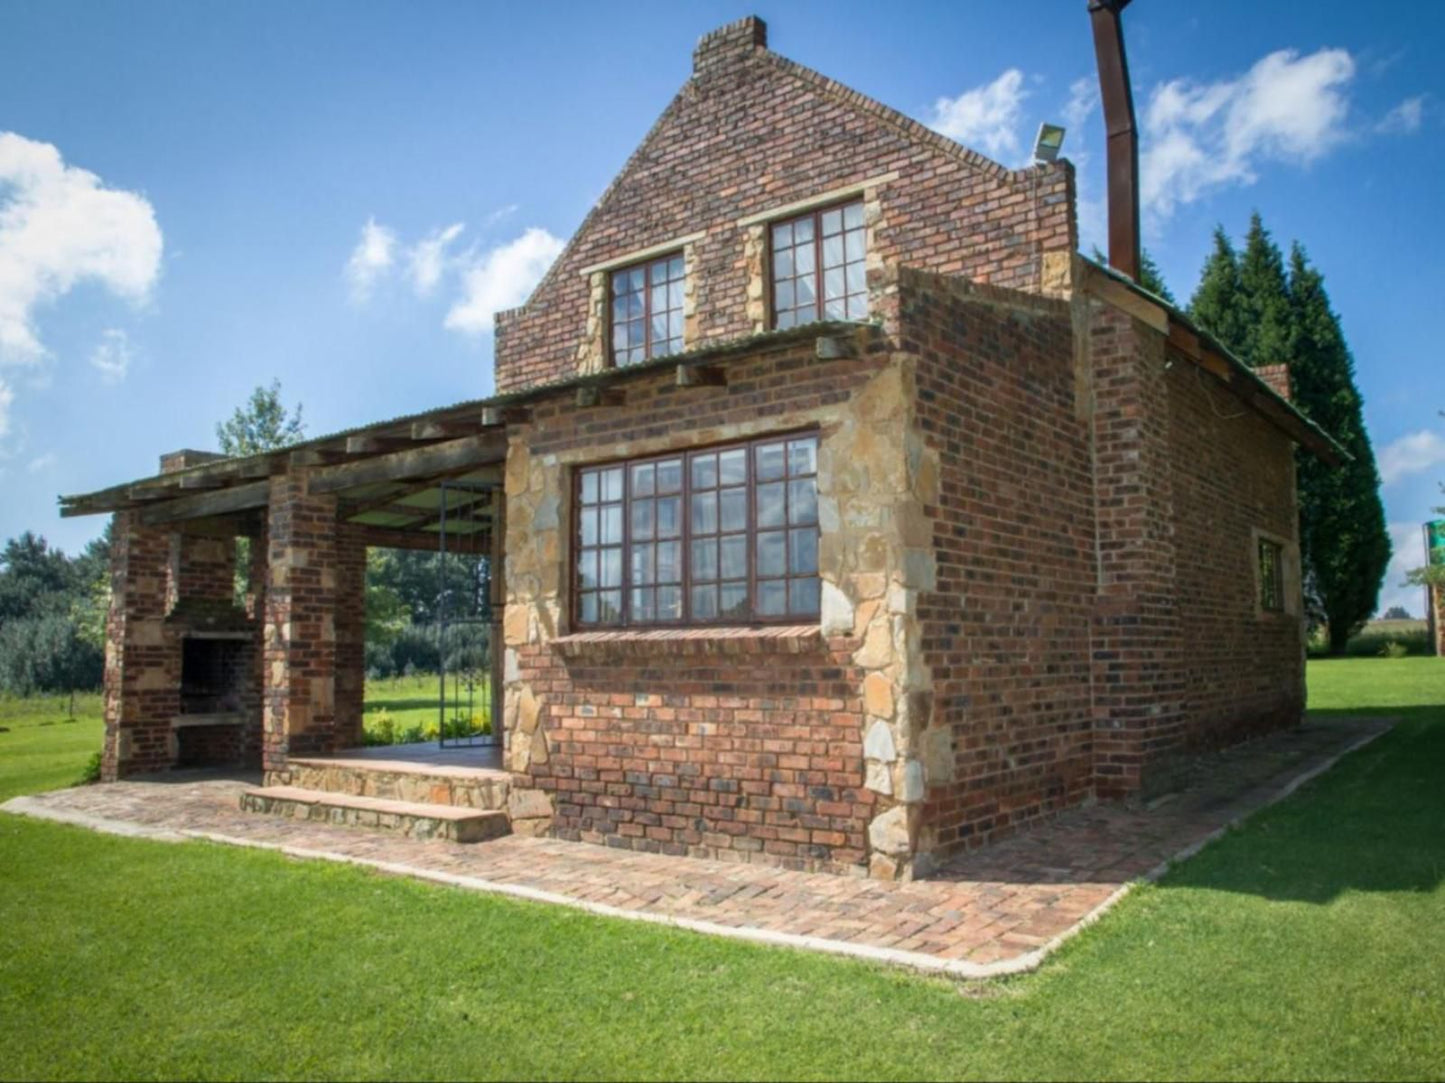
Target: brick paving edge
955, 968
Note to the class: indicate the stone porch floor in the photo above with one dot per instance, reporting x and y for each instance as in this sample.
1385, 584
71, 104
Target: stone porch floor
997, 910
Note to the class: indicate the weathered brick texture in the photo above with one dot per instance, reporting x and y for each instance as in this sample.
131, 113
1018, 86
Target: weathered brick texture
1006, 632
142, 663
314, 625
746, 748
751, 131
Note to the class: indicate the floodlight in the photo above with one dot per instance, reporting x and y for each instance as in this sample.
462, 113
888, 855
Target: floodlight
1048, 142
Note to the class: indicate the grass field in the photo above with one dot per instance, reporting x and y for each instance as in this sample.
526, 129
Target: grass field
1305, 945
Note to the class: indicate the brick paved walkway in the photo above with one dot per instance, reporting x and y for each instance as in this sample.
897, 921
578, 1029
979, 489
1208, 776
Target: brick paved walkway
996, 910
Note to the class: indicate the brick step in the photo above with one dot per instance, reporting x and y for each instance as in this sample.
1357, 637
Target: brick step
459, 788
415, 819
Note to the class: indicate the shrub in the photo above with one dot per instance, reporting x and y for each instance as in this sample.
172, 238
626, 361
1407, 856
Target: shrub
91, 771
1394, 649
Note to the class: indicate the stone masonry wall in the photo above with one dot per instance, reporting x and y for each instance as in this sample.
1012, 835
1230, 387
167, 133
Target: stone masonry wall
1005, 632
741, 745
751, 132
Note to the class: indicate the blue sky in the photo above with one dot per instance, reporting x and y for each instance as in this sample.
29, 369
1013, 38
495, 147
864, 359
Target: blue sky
196, 198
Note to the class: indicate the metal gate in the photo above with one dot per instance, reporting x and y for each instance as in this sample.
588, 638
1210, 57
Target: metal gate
467, 618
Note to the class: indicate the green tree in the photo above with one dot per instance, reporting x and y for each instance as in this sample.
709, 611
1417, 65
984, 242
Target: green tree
262, 424
1151, 278
1344, 542
42, 648
1265, 315
1265, 299
1218, 299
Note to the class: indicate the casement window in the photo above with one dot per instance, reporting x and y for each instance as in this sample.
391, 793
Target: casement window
1271, 576
647, 310
722, 535
818, 267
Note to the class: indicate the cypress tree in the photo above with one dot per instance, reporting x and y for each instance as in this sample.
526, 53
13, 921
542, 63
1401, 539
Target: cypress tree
1344, 543
1265, 299
1151, 278
1217, 304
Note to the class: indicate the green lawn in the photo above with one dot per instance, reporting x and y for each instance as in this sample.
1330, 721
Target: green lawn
1306, 945
43, 747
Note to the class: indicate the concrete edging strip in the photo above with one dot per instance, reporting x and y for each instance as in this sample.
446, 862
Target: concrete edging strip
957, 968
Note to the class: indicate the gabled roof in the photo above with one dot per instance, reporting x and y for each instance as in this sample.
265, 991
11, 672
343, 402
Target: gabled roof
1198, 346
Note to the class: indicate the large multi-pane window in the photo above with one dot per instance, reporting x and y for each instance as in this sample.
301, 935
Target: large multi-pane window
818, 267
724, 535
647, 310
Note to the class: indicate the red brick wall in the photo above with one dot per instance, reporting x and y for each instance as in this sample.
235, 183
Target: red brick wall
142, 658
1232, 474
751, 131
1137, 649
1006, 632
314, 625
748, 752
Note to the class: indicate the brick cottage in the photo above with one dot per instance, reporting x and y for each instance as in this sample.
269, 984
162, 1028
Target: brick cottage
848, 517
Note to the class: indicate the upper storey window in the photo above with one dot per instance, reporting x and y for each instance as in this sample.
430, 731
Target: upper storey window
818, 271
647, 310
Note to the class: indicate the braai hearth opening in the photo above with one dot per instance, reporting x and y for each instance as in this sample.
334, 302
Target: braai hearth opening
212, 671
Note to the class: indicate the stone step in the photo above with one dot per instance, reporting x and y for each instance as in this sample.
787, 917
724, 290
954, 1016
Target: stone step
415, 819
458, 787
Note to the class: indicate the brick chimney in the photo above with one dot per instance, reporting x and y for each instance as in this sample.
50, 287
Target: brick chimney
173, 461
740, 38
1277, 377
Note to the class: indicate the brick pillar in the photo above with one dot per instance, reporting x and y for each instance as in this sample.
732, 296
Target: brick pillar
1138, 685
142, 663
201, 569
255, 602
299, 683
350, 623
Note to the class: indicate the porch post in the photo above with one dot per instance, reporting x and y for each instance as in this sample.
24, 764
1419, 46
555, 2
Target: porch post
300, 680
142, 668
497, 601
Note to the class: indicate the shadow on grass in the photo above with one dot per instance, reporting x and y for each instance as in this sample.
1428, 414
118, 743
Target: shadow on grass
1375, 822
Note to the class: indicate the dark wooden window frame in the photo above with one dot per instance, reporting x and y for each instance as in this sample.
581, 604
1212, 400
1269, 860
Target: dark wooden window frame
685, 537
646, 266
819, 298
1269, 562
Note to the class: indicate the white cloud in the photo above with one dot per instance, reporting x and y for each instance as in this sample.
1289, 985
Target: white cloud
986, 117
112, 355
1411, 454
41, 463
6, 398
502, 278
1083, 100
370, 259
1201, 136
499, 214
428, 258
1407, 552
59, 225
1405, 118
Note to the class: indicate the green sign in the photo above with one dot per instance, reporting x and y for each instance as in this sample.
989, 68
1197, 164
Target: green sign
1435, 542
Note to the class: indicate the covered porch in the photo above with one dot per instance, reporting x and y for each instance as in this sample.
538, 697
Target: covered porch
205, 667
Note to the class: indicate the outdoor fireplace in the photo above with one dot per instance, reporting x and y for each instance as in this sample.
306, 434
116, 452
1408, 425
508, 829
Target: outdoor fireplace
217, 722
214, 668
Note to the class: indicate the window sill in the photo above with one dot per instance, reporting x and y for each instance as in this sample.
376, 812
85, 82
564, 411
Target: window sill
769, 639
